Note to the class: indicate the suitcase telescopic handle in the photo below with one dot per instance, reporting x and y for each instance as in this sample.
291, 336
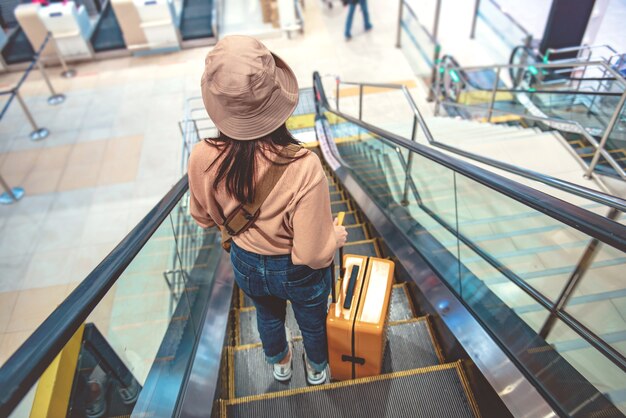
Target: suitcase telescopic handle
340, 217
354, 274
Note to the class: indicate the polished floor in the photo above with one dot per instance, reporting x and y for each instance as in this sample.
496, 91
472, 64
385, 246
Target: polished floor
114, 150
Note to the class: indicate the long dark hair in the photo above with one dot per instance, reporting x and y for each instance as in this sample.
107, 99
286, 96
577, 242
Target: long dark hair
237, 160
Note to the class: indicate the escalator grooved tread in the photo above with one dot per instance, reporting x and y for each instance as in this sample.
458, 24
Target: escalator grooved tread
409, 346
442, 388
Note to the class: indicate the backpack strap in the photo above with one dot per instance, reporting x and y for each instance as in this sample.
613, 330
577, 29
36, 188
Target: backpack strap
246, 214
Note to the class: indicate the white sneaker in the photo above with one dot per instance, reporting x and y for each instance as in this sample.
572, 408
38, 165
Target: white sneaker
312, 376
282, 372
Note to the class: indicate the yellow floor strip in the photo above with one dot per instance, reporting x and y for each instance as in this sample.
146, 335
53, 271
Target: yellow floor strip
502, 119
301, 121
54, 389
483, 96
354, 91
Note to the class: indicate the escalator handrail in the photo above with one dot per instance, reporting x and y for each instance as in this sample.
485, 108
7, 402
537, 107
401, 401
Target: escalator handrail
606, 231
462, 72
25, 366
575, 189
549, 65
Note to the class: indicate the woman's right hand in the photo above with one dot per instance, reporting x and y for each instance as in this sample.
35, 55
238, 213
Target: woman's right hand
341, 235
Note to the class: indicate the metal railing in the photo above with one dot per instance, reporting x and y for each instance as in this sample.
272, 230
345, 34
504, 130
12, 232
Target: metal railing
600, 150
605, 230
13, 194
433, 37
193, 128
419, 122
510, 18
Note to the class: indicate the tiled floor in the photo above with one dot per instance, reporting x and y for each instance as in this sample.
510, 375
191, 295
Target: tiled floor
114, 150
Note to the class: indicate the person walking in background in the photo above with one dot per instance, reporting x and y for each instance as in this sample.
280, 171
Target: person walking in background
351, 7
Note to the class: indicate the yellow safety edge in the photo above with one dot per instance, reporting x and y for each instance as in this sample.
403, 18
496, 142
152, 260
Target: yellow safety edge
54, 389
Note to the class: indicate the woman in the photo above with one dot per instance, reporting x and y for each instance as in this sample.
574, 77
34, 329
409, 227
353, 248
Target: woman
287, 251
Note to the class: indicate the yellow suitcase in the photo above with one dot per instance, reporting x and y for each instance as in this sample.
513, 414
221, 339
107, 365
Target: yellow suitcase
357, 317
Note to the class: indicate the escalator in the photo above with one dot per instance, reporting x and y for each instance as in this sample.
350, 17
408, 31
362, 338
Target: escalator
413, 359
589, 94
18, 48
107, 35
480, 323
196, 20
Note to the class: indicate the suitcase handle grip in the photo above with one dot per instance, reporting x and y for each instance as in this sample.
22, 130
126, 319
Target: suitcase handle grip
354, 274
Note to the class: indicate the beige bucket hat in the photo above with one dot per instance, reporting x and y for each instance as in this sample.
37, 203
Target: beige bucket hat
247, 91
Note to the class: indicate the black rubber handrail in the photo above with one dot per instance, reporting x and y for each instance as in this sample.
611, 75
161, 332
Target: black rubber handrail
596, 226
467, 80
26, 365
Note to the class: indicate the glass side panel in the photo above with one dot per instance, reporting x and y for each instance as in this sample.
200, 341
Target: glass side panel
498, 301
496, 31
416, 43
141, 335
382, 168
596, 369
536, 248
148, 318
481, 242
599, 300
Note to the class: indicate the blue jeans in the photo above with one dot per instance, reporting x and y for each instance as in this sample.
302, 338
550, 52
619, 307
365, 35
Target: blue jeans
366, 17
270, 281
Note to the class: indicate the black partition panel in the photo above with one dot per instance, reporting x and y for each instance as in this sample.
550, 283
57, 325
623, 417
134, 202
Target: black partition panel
566, 25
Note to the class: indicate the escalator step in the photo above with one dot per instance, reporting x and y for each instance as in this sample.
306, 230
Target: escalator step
336, 196
253, 374
341, 206
410, 345
438, 391
356, 233
367, 248
332, 188
401, 307
350, 218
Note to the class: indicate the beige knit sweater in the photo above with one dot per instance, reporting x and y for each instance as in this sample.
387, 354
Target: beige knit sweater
295, 218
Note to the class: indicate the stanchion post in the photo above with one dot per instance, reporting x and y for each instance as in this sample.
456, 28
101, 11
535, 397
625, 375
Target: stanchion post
11, 194
55, 98
67, 72
38, 133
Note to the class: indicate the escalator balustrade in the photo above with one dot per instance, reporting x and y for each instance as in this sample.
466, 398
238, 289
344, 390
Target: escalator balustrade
415, 378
